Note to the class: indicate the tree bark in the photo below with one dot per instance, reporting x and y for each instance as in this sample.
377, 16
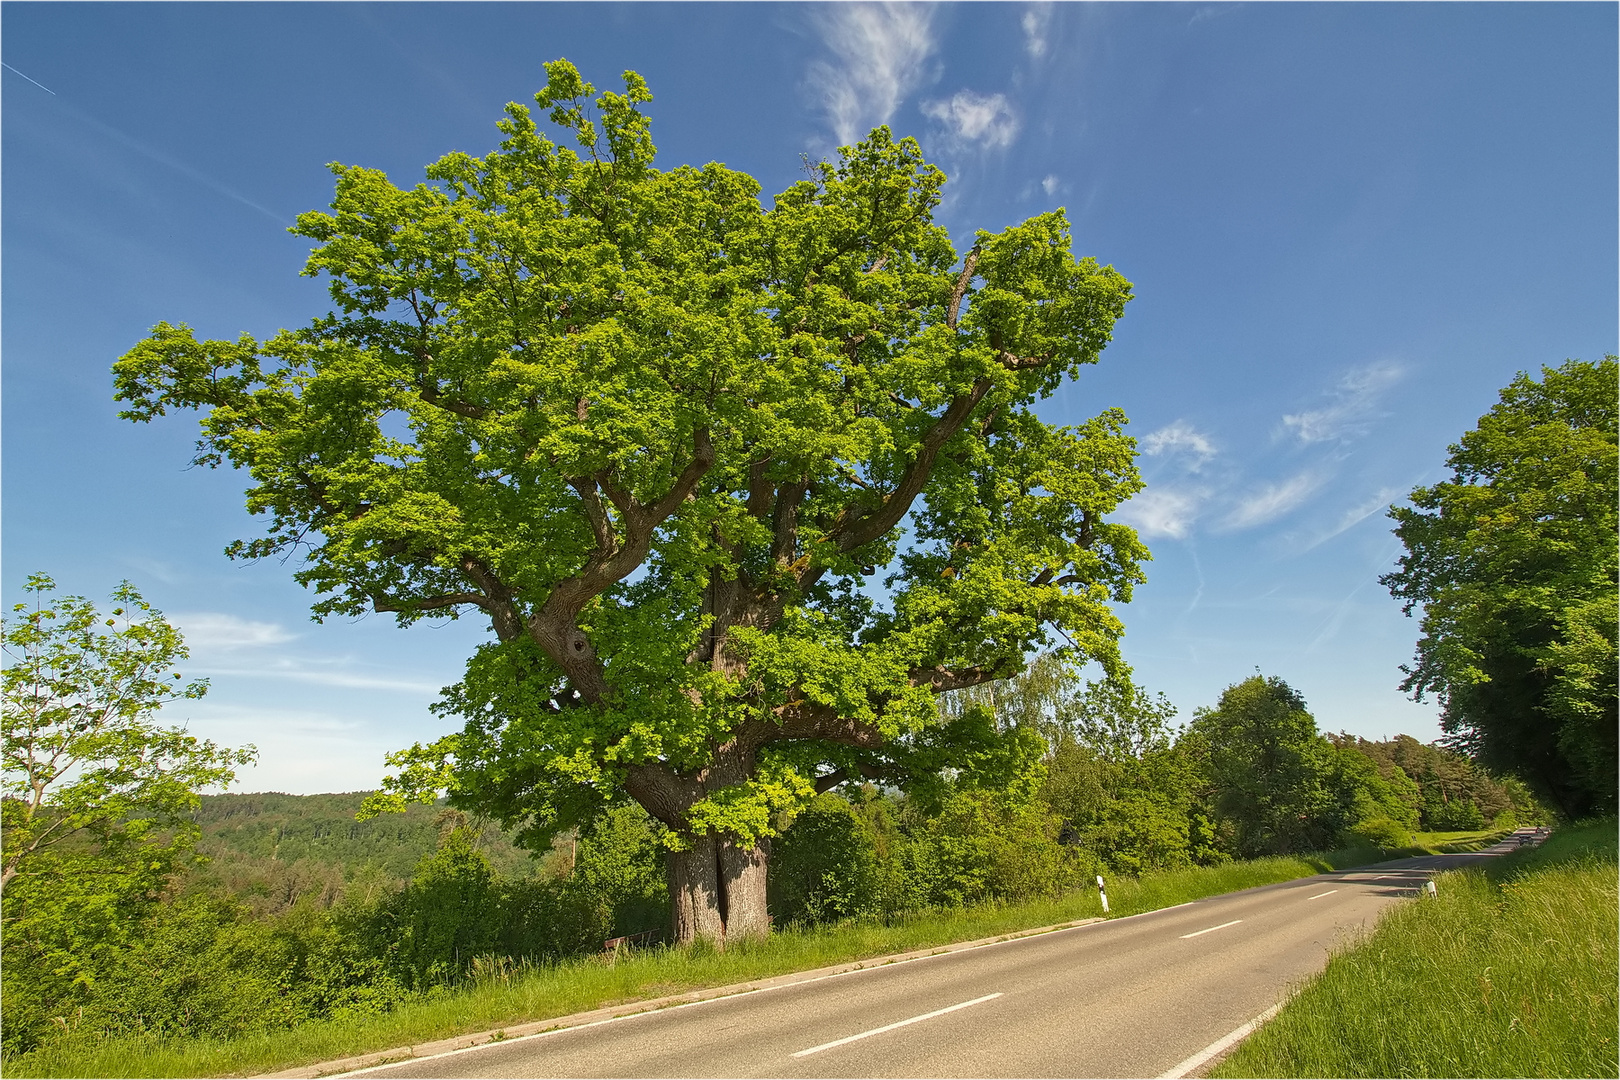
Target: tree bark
742, 889
717, 891
694, 893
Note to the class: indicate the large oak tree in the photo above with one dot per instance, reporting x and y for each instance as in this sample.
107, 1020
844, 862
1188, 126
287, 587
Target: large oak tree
663, 437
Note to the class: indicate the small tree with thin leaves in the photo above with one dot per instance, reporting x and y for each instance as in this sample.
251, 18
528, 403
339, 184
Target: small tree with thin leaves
96, 793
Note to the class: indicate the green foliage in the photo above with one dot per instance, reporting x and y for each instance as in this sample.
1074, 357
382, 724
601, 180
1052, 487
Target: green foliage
1269, 769
208, 965
1129, 792
204, 966
457, 912
1383, 832
984, 846
1132, 794
888, 855
441, 920
1514, 564
1132, 814
826, 866
1445, 786
661, 434
1362, 792
1118, 720
96, 795
1123, 793
618, 870
1275, 785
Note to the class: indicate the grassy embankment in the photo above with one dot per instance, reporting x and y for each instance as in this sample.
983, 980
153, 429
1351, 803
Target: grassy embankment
512, 994
1436, 842
1510, 971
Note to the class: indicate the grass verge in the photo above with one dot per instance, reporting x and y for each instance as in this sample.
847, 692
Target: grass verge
1510, 971
524, 993
1453, 842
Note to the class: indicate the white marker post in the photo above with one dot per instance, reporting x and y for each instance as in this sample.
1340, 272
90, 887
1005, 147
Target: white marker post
1102, 892
1428, 887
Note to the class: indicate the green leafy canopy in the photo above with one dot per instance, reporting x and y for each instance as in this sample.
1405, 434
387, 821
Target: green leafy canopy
1513, 561
663, 436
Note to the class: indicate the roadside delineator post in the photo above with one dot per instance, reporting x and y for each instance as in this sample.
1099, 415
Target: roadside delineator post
1103, 893
1428, 887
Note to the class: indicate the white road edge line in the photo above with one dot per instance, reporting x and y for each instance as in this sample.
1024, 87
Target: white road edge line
1319, 895
1219, 1046
1212, 929
896, 1024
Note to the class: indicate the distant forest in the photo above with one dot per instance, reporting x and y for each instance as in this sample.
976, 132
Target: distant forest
270, 848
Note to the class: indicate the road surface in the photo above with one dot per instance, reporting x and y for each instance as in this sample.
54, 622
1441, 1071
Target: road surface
1139, 996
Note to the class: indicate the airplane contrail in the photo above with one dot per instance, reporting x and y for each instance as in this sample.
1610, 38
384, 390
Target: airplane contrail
155, 154
36, 82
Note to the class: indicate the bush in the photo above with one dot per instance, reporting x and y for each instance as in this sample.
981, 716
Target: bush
1141, 831
1381, 832
619, 871
431, 931
985, 846
204, 966
825, 866
1459, 815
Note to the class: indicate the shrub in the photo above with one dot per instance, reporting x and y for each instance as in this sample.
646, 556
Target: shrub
1380, 832
1459, 815
825, 866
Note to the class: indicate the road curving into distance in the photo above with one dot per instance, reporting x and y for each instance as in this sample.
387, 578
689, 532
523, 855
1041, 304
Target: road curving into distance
1156, 994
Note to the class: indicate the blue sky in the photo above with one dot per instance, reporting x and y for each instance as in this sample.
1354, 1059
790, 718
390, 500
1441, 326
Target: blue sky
1348, 227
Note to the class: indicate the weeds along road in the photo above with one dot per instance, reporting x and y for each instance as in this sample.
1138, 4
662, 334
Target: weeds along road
1137, 996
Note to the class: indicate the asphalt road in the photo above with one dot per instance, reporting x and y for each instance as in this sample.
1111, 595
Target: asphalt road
1127, 997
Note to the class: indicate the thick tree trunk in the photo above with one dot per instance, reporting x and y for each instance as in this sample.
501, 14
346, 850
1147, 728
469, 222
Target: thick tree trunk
694, 893
742, 889
717, 891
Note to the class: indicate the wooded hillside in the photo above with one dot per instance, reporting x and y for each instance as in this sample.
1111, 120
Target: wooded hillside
269, 847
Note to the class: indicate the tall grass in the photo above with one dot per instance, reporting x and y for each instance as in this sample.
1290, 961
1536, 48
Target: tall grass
1510, 971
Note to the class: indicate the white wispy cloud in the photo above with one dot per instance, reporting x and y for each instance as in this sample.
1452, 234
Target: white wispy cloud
1163, 511
214, 631
230, 647
342, 673
166, 572
1354, 404
1050, 184
970, 118
1271, 501
1181, 439
302, 750
1036, 22
881, 52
